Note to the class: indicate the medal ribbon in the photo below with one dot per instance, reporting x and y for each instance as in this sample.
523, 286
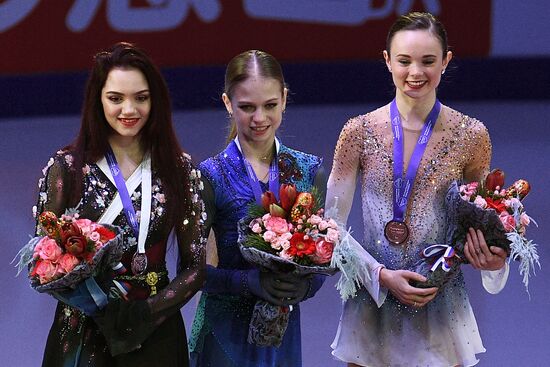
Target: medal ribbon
402, 187
140, 229
252, 179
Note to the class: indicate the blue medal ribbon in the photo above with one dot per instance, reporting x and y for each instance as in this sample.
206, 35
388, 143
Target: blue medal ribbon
402, 187
253, 180
120, 184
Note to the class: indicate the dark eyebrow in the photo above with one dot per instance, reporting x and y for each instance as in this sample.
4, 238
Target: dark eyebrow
118, 93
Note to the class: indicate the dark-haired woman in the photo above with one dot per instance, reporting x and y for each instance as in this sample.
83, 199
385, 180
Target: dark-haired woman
126, 163
253, 162
407, 153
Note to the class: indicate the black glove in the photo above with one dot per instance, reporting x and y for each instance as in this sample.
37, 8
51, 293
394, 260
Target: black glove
281, 289
125, 324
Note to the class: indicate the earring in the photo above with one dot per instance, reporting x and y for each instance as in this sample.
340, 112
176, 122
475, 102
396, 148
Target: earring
230, 114
443, 72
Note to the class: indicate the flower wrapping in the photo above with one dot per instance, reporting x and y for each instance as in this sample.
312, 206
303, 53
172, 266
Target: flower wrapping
498, 213
289, 237
68, 252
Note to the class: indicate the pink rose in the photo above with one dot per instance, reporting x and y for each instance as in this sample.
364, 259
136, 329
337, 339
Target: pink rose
281, 244
332, 235
67, 262
276, 224
323, 225
480, 202
285, 255
49, 249
256, 228
332, 223
314, 219
85, 225
94, 236
323, 252
269, 236
46, 270
508, 221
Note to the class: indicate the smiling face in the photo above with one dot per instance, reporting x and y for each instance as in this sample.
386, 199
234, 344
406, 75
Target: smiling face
126, 102
416, 62
257, 106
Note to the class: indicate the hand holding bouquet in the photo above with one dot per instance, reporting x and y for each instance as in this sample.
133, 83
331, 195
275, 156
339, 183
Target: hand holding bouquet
290, 236
499, 213
69, 252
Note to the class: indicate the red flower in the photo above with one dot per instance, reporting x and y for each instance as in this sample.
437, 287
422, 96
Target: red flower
497, 204
76, 245
106, 235
69, 229
300, 246
268, 198
494, 179
287, 194
302, 206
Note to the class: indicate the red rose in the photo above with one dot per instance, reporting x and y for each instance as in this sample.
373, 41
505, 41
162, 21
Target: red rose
497, 204
69, 229
301, 246
323, 252
76, 245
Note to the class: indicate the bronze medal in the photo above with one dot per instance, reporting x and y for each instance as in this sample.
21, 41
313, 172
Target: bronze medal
139, 263
396, 232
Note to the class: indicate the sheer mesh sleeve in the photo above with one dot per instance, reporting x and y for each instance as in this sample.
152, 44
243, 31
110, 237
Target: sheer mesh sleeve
359, 265
192, 253
55, 187
345, 166
480, 153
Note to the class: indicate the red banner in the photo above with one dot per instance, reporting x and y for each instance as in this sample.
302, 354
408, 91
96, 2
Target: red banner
63, 35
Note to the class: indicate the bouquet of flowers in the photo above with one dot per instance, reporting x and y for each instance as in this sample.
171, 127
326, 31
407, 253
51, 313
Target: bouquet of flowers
287, 236
499, 213
69, 251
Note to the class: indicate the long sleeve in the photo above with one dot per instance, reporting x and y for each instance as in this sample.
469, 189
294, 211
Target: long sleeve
192, 254
359, 266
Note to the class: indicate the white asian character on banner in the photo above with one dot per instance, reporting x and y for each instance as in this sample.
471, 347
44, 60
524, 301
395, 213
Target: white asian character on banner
341, 12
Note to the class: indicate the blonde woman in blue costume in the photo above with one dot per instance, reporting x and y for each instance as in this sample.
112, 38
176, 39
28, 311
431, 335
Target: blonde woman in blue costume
419, 141
253, 162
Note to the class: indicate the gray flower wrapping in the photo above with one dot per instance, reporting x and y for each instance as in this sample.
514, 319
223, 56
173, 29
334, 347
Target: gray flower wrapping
461, 215
269, 322
104, 259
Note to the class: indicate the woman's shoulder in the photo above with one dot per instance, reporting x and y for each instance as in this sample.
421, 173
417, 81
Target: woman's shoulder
462, 121
362, 124
63, 160
299, 154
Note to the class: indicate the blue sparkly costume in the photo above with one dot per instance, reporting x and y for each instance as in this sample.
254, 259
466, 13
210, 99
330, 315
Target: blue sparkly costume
220, 328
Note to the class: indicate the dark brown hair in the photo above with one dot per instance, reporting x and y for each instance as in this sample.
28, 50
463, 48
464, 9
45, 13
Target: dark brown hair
157, 135
241, 68
419, 21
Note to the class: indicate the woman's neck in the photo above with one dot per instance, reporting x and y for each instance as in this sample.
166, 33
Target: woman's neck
261, 152
126, 149
414, 111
